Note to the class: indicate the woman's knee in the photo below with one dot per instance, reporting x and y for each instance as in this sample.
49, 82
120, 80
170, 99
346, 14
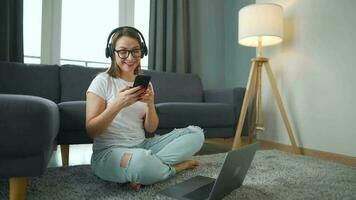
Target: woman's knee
196, 136
192, 137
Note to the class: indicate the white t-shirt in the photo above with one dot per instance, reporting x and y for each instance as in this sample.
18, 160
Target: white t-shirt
126, 129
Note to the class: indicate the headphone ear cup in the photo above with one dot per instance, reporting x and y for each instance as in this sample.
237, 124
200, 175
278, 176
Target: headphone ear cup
108, 51
144, 50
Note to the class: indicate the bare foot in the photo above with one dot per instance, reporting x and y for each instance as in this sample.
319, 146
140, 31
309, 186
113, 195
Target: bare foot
134, 186
188, 164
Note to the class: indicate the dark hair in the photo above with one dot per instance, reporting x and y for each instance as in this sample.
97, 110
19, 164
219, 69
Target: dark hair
114, 70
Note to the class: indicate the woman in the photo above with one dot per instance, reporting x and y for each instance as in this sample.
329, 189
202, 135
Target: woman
117, 116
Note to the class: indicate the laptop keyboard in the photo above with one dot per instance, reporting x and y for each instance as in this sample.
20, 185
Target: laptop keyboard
200, 193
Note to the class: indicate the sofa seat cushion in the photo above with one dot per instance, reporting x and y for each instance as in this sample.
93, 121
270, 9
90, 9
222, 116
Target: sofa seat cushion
72, 115
175, 115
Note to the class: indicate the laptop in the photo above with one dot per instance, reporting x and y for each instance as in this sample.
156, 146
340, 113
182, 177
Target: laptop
231, 176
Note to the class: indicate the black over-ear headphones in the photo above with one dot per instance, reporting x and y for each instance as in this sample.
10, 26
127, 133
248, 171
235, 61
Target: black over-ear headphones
109, 50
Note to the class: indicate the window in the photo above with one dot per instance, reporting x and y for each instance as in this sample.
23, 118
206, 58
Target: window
84, 34
85, 26
32, 30
142, 22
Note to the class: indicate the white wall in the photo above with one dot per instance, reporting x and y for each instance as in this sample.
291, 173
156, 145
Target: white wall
315, 71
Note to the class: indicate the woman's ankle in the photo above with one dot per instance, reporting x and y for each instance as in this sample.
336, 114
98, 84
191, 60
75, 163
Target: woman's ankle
188, 164
134, 186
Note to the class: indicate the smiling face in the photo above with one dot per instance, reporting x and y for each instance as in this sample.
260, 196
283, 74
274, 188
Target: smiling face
126, 55
127, 65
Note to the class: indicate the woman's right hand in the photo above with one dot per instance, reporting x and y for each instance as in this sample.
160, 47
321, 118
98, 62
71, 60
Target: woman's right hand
128, 95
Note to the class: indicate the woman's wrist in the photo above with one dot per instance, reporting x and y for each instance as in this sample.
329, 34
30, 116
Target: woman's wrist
150, 105
116, 106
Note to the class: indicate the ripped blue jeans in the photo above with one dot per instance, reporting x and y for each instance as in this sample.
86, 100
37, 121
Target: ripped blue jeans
152, 160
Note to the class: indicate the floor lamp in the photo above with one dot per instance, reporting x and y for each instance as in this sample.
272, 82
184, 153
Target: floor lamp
260, 25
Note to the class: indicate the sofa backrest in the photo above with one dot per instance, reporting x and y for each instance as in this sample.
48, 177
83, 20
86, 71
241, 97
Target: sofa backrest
169, 87
75, 81
176, 87
30, 79
70, 82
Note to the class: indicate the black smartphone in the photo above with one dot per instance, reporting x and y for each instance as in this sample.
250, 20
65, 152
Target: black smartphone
143, 80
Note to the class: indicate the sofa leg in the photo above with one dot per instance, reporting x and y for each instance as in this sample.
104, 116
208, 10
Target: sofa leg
65, 154
18, 188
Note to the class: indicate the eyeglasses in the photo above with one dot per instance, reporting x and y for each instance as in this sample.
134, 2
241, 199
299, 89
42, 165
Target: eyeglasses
124, 53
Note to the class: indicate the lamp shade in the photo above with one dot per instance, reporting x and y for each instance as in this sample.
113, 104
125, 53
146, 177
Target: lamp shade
260, 22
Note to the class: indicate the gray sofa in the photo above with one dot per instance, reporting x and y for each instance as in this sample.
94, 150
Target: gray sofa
44, 105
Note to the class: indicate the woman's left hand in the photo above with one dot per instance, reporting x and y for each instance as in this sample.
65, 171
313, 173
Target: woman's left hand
148, 96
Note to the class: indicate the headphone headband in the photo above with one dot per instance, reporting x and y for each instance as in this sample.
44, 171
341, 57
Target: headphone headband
109, 50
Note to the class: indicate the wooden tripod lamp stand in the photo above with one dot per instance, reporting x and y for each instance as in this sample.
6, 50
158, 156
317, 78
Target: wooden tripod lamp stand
260, 25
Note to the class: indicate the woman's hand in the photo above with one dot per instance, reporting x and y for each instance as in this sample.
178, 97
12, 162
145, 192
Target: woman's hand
128, 95
148, 96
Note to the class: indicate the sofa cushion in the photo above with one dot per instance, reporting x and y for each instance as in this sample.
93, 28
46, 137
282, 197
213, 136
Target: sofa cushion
72, 115
74, 137
30, 79
75, 81
175, 115
176, 87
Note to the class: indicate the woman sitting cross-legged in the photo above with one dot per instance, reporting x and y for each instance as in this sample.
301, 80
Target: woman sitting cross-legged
117, 116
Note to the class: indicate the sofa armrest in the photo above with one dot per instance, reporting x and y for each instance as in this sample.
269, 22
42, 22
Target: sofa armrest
232, 96
28, 125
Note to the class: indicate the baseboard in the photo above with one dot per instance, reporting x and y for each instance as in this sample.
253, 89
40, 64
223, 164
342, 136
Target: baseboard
339, 158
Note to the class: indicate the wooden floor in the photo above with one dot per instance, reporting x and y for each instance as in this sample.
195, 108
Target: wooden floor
226, 144
81, 154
